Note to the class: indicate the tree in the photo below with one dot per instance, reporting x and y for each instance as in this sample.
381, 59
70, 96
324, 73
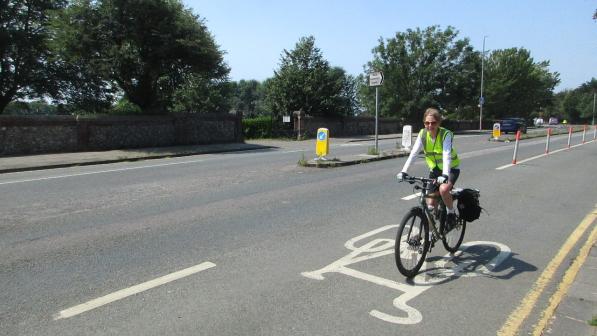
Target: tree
85, 86
516, 85
305, 81
149, 49
575, 105
341, 92
200, 94
25, 69
423, 68
248, 98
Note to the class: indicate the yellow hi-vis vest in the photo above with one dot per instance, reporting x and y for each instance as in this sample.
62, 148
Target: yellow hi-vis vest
434, 149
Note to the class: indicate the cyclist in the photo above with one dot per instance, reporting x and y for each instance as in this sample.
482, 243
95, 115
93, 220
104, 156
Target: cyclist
441, 157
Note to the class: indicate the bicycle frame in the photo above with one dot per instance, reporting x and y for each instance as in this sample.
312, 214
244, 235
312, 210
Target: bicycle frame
434, 219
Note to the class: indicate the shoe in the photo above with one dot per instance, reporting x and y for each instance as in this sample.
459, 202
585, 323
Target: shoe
450, 222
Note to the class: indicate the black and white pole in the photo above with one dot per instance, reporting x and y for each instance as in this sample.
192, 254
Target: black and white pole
584, 132
569, 135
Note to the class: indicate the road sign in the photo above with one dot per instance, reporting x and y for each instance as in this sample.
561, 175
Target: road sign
323, 144
375, 78
496, 130
481, 100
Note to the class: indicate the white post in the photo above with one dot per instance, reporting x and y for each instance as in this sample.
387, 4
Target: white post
516, 147
584, 132
569, 135
547, 144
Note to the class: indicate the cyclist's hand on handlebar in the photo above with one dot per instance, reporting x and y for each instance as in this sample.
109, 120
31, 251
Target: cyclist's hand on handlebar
442, 179
401, 176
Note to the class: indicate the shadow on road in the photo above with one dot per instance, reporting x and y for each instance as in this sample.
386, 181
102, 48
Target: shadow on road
476, 260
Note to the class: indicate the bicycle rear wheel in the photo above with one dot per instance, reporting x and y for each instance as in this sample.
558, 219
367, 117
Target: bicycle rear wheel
412, 243
453, 238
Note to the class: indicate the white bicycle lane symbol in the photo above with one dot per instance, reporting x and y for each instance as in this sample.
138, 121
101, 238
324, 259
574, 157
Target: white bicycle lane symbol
380, 247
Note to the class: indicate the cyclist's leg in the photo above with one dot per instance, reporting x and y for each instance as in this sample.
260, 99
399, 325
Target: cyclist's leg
433, 174
444, 189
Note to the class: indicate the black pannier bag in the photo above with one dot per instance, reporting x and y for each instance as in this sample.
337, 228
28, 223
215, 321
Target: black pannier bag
468, 205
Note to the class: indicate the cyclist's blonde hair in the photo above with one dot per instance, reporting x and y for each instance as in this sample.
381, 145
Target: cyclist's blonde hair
432, 111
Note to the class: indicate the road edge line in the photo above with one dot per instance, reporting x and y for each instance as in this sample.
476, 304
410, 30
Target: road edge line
517, 317
566, 283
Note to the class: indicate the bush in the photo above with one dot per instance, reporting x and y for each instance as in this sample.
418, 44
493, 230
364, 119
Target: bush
125, 107
257, 128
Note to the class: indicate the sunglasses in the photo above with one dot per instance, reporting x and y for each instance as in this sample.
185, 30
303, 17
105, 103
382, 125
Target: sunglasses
427, 123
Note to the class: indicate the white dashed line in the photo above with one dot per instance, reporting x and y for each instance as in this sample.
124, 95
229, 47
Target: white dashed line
123, 293
413, 196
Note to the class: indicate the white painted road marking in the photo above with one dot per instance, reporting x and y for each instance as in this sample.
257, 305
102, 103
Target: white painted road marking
428, 277
103, 171
409, 197
158, 165
121, 294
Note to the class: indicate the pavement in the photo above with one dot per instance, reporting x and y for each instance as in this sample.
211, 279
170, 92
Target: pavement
572, 316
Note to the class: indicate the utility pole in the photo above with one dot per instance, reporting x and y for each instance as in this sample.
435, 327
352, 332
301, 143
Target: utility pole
481, 98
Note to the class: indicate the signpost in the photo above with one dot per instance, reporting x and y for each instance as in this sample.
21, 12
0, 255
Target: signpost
376, 79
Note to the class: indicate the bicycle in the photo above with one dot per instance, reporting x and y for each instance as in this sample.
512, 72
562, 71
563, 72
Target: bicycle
413, 240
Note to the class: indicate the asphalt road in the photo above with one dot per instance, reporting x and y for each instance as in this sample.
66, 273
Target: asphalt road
256, 245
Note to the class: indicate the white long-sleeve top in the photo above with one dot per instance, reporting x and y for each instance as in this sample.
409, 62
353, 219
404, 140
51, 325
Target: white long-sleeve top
446, 153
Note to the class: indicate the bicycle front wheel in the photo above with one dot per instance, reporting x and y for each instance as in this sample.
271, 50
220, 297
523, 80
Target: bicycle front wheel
453, 238
412, 243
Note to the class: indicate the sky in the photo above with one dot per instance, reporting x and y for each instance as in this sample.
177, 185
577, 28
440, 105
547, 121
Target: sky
254, 33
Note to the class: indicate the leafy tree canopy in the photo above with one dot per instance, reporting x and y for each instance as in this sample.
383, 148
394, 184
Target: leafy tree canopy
25, 70
305, 81
149, 49
248, 98
576, 105
423, 68
516, 85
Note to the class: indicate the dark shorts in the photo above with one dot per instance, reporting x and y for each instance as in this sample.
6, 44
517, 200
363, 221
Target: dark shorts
454, 173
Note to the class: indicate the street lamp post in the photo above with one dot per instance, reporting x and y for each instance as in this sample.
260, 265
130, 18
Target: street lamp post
481, 98
594, 94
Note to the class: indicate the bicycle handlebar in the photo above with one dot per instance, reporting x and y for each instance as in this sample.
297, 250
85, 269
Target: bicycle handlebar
423, 183
413, 179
